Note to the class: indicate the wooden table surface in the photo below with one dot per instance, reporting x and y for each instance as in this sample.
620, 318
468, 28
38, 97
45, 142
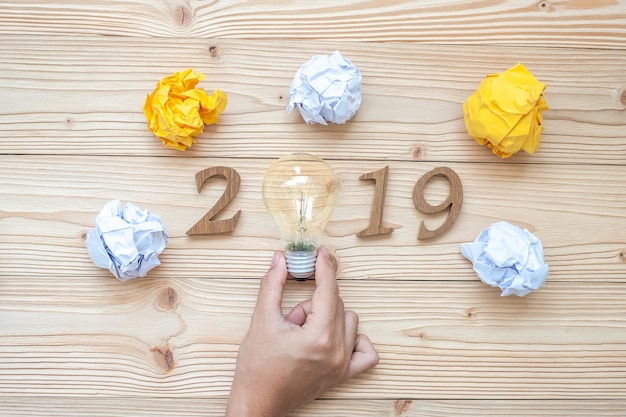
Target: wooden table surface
74, 341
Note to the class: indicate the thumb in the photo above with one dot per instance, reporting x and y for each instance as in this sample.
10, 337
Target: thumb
270, 295
299, 313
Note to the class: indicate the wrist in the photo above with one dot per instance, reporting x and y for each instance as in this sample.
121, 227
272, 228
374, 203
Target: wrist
234, 409
247, 405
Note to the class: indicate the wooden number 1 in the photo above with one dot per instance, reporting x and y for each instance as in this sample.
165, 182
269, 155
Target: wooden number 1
375, 226
454, 201
206, 225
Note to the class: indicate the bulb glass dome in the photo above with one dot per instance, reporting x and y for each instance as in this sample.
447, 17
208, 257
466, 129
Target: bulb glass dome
299, 192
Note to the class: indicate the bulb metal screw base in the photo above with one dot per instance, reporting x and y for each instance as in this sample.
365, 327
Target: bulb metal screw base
300, 263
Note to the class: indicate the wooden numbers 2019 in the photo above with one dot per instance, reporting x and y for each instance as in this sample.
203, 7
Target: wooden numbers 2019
454, 201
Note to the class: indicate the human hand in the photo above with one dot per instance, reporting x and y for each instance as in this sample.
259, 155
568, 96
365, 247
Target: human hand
287, 361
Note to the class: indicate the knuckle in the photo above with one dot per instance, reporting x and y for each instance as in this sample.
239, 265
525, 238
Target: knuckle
323, 344
338, 361
330, 354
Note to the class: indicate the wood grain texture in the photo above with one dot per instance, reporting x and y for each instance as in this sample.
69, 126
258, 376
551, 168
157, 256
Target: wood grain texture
83, 95
50, 202
194, 407
100, 337
74, 341
578, 23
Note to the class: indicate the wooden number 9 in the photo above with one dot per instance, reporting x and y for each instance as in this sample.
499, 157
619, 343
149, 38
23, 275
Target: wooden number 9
454, 201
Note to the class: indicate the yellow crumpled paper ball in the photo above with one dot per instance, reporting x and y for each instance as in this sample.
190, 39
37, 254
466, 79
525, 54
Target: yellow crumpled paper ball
504, 113
176, 111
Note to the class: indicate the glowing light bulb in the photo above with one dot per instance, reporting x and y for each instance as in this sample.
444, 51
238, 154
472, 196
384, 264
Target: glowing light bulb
299, 192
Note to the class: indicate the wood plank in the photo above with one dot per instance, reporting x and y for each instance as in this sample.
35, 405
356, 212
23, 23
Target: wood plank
194, 407
437, 340
596, 24
50, 202
83, 95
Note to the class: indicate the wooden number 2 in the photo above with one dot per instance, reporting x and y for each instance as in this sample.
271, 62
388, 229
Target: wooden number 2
454, 201
375, 226
206, 225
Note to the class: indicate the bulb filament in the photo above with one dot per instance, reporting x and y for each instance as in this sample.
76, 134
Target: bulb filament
304, 207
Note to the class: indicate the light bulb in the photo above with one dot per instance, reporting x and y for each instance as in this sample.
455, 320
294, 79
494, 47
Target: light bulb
299, 192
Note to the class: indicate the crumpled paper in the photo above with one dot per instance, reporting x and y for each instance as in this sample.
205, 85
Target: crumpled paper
508, 257
504, 113
127, 241
326, 89
176, 111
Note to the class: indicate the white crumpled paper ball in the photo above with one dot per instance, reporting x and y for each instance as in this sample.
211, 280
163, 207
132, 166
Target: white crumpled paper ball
127, 241
326, 89
508, 257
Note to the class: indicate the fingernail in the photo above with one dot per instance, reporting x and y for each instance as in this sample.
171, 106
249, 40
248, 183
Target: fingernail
324, 251
275, 259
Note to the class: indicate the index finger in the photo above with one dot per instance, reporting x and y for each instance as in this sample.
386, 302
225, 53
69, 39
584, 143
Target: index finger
325, 298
